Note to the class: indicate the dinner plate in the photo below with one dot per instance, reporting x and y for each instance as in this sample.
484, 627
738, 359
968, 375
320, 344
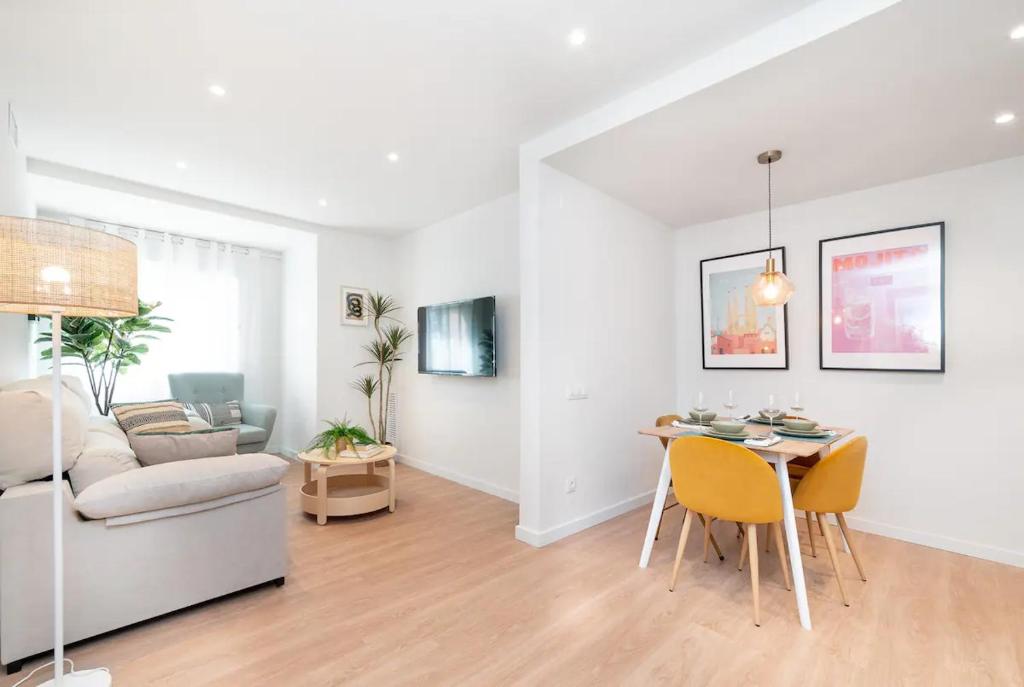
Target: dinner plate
765, 421
735, 436
816, 434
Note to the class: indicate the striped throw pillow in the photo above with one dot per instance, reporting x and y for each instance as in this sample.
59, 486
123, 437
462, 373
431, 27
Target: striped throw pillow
217, 414
155, 416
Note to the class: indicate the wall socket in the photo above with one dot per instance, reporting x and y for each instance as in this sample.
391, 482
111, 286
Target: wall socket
570, 485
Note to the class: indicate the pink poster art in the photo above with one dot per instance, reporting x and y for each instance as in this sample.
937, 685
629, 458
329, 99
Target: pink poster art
883, 301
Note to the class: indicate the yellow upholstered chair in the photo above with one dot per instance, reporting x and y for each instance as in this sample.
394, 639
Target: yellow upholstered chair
664, 421
833, 486
723, 480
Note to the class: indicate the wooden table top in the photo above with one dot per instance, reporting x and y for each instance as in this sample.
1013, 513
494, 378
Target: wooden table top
788, 446
317, 457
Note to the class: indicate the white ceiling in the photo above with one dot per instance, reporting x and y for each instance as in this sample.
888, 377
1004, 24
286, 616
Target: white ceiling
909, 91
319, 91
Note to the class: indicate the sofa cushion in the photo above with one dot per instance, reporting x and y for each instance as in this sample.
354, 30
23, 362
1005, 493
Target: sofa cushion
179, 484
156, 448
26, 419
152, 416
217, 414
106, 453
250, 434
44, 383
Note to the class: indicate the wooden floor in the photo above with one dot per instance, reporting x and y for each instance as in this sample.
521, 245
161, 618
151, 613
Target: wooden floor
440, 593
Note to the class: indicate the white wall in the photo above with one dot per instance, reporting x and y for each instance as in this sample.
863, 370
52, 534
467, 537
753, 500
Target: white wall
15, 199
929, 479
464, 429
604, 274
345, 259
297, 416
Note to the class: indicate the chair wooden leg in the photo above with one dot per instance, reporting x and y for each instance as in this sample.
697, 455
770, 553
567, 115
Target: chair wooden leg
743, 552
810, 533
739, 531
711, 537
752, 547
777, 535
834, 555
822, 521
682, 545
661, 519
707, 535
853, 552
767, 540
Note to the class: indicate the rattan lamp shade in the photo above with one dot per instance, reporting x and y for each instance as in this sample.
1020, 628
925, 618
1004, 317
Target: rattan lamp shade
50, 266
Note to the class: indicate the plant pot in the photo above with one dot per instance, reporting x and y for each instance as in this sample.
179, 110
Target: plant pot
341, 445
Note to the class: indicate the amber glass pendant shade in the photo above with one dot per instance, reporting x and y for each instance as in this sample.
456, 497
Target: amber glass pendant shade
772, 287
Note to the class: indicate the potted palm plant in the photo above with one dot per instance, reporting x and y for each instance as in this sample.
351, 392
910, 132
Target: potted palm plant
341, 435
384, 352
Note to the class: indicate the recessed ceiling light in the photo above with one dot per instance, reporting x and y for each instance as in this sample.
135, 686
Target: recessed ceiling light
218, 90
181, 164
1018, 33
322, 202
392, 157
577, 37
1005, 118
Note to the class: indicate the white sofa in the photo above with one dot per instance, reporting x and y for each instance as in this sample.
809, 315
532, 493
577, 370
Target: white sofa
139, 542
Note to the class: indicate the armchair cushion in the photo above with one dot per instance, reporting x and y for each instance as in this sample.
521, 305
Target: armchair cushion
250, 434
179, 484
259, 415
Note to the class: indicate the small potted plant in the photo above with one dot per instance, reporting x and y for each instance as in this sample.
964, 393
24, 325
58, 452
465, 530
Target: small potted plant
339, 435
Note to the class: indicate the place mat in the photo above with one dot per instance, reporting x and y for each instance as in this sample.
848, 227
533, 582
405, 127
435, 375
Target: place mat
816, 440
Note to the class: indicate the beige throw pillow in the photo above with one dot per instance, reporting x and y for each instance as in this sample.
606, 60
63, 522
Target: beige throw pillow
153, 449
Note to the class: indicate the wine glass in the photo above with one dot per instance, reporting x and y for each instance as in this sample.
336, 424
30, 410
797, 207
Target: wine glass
699, 407
731, 405
797, 407
771, 412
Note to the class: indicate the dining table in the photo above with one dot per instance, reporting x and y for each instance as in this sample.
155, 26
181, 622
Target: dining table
780, 455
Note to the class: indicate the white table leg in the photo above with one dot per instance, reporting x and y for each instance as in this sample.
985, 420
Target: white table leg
795, 562
656, 508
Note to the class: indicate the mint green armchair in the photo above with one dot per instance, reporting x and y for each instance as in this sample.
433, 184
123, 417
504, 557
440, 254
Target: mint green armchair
220, 387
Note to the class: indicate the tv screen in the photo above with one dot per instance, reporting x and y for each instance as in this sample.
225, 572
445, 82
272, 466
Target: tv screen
457, 339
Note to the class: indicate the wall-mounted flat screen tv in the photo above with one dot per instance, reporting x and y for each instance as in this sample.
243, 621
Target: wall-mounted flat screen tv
457, 339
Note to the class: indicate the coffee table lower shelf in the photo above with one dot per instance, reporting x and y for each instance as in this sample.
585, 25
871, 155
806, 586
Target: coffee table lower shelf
324, 494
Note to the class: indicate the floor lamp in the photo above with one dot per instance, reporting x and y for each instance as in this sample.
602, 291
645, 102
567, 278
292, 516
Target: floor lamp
56, 269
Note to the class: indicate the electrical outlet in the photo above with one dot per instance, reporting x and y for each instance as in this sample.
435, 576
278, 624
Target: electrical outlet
570, 485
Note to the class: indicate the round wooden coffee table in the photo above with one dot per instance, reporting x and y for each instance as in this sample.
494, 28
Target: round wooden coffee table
324, 494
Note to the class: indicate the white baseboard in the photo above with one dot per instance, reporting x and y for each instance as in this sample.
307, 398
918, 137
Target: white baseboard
460, 478
938, 541
548, 536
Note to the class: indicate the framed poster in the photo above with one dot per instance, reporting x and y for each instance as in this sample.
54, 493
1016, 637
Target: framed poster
353, 306
736, 333
881, 300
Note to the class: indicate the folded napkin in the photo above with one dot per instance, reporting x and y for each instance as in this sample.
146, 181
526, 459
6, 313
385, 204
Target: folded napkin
763, 442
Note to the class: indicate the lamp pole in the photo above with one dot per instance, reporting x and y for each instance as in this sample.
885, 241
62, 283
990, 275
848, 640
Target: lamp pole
58, 505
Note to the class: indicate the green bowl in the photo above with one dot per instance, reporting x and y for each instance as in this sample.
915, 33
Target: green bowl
706, 416
800, 425
727, 426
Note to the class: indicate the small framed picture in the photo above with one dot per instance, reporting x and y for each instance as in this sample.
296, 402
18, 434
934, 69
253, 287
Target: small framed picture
882, 300
353, 306
736, 333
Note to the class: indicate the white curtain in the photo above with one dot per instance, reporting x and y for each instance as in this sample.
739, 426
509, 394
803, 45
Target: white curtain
225, 303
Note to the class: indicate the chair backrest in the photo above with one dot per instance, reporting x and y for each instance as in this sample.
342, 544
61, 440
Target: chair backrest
207, 387
724, 480
666, 420
833, 484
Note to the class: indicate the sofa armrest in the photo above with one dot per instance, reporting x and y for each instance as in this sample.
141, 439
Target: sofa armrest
259, 415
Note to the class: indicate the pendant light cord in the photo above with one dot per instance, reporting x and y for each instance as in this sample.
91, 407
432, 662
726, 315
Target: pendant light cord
769, 206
